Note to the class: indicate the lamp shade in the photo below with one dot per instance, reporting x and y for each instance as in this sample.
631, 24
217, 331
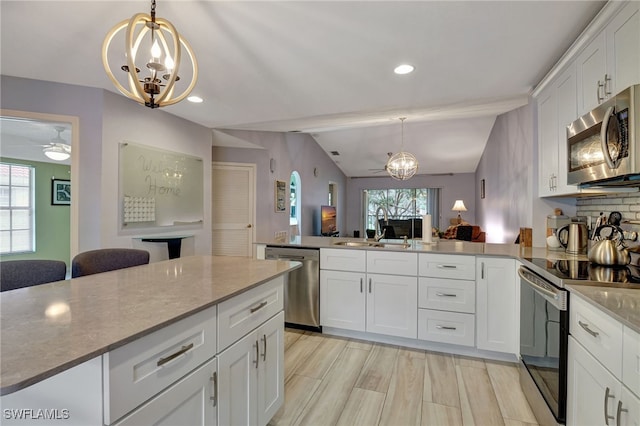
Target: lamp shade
458, 206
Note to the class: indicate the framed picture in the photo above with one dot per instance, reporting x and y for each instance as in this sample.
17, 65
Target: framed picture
281, 193
60, 192
482, 194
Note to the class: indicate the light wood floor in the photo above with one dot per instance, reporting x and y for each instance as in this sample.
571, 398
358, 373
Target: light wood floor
337, 381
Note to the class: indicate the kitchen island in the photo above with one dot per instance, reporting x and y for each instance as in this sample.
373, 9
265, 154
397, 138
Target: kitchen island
52, 329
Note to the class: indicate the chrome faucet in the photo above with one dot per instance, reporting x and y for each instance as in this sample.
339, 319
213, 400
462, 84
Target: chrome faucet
379, 231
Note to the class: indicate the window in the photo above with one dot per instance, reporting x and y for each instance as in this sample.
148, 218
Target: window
404, 209
295, 202
17, 225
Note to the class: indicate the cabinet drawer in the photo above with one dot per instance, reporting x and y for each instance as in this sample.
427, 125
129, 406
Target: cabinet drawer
343, 260
446, 327
447, 266
386, 262
243, 313
447, 295
631, 360
600, 334
139, 370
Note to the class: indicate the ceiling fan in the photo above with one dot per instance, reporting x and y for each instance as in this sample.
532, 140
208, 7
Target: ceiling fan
58, 149
384, 169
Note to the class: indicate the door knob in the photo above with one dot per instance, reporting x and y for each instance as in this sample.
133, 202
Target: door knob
249, 226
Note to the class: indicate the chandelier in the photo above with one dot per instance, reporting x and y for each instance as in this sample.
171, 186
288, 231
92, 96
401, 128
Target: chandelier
161, 49
402, 165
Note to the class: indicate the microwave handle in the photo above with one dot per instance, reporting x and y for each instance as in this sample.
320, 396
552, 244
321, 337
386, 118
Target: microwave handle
604, 143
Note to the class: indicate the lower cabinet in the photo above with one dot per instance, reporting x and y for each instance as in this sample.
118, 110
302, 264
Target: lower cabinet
594, 395
496, 305
251, 376
190, 401
375, 303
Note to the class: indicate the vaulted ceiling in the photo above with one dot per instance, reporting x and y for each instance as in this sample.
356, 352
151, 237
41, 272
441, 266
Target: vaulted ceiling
326, 67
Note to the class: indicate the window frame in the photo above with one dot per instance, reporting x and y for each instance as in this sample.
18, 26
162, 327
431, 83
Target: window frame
10, 207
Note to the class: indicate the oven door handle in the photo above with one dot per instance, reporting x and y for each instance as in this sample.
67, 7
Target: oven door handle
553, 297
604, 139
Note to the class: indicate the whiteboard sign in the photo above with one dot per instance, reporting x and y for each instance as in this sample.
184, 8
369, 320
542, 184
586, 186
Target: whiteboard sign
159, 187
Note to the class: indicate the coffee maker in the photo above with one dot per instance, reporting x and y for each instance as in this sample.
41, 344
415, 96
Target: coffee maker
555, 222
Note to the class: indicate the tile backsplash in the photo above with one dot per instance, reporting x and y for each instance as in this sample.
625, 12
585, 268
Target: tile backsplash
627, 204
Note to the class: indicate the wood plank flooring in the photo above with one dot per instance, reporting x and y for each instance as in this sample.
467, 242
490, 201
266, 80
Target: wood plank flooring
336, 381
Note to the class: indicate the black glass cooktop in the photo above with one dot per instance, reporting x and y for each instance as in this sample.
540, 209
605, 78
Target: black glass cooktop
583, 270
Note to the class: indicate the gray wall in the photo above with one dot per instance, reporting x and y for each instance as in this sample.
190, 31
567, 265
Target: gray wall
290, 151
458, 186
105, 119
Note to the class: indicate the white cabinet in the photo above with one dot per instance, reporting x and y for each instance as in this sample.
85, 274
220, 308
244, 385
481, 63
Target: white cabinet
556, 110
251, 376
591, 389
192, 401
383, 302
392, 305
446, 298
342, 300
496, 308
611, 61
603, 369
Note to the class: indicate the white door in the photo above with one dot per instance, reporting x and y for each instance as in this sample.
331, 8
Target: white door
629, 409
592, 392
271, 369
233, 208
590, 72
343, 300
623, 47
190, 402
392, 305
237, 382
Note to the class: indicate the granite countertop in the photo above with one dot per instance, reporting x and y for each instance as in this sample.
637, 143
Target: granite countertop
49, 328
623, 304
437, 246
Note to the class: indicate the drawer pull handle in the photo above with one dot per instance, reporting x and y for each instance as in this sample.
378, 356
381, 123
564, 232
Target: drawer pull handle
587, 329
445, 327
360, 285
163, 361
214, 379
447, 267
619, 413
369, 285
264, 341
607, 395
446, 295
260, 306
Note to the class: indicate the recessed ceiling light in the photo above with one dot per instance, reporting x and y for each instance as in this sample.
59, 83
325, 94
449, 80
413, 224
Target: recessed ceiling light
195, 99
403, 69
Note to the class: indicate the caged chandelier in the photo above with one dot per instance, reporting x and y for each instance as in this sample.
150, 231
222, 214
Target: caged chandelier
161, 48
402, 165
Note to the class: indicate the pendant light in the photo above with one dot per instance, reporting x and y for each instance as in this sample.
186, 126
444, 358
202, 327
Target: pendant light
162, 51
402, 165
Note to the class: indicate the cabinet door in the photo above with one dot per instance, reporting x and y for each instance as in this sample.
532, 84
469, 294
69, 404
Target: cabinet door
342, 300
190, 402
590, 72
547, 141
567, 113
592, 392
237, 382
623, 48
271, 368
497, 324
628, 409
392, 305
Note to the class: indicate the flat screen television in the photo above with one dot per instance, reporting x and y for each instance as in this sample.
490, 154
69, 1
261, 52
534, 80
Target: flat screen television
328, 221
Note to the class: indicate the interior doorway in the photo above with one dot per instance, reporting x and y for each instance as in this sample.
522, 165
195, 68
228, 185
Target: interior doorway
233, 209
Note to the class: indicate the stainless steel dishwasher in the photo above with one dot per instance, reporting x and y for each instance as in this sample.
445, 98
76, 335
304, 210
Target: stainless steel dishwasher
302, 288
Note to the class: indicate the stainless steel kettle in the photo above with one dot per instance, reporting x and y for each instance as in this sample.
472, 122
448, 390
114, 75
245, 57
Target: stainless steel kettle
609, 253
573, 237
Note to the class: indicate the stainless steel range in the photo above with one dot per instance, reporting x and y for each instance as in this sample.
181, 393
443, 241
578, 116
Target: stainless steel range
544, 326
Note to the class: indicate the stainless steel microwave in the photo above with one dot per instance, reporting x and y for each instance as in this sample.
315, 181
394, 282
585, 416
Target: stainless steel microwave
603, 144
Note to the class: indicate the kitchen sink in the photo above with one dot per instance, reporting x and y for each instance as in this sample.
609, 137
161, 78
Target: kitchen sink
359, 244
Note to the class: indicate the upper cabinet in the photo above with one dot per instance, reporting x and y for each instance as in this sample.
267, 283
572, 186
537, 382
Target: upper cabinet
608, 63
611, 61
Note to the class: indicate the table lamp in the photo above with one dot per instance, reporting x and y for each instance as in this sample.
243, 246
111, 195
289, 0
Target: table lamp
458, 206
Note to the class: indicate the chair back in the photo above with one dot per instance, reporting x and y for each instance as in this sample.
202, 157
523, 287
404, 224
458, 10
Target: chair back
25, 273
109, 259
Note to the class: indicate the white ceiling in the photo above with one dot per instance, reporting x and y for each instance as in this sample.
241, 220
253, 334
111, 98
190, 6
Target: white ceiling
325, 67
